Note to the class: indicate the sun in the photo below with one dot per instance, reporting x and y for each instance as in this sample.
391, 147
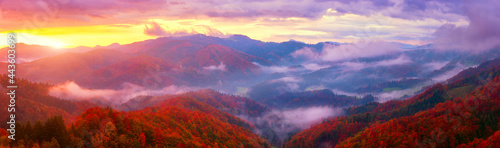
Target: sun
36, 40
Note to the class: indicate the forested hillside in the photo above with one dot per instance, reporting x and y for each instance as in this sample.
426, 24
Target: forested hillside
429, 105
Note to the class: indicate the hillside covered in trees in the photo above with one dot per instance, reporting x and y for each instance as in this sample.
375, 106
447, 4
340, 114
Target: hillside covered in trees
464, 112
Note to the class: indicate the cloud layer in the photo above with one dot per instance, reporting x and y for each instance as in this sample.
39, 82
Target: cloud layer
283, 122
237, 8
481, 34
332, 52
221, 67
72, 91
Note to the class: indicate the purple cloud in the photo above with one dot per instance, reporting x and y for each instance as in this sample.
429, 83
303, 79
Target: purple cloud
55, 13
76, 12
155, 29
481, 34
405, 9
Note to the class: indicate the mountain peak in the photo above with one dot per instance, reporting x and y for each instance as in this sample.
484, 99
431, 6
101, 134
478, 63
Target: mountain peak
292, 40
239, 37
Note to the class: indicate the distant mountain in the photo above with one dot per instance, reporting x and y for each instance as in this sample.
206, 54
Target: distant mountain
199, 52
271, 51
269, 89
407, 46
198, 63
349, 78
241, 62
105, 68
232, 60
275, 52
141, 70
28, 53
177, 49
324, 97
68, 66
405, 83
393, 76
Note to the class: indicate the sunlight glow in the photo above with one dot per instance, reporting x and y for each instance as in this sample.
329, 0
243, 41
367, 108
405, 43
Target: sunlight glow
34, 40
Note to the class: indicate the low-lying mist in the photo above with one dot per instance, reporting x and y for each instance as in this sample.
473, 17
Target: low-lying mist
276, 125
72, 91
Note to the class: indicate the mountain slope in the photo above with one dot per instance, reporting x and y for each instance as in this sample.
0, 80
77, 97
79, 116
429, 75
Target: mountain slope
29, 110
165, 127
139, 70
181, 121
234, 105
33, 102
336, 130
215, 55
183, 50
447, 124
68, 66
192, 104
271, 51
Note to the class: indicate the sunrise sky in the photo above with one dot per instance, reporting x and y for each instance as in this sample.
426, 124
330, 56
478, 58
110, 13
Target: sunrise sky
71, 23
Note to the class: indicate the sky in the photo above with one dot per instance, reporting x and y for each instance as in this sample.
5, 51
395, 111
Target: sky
71, 23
